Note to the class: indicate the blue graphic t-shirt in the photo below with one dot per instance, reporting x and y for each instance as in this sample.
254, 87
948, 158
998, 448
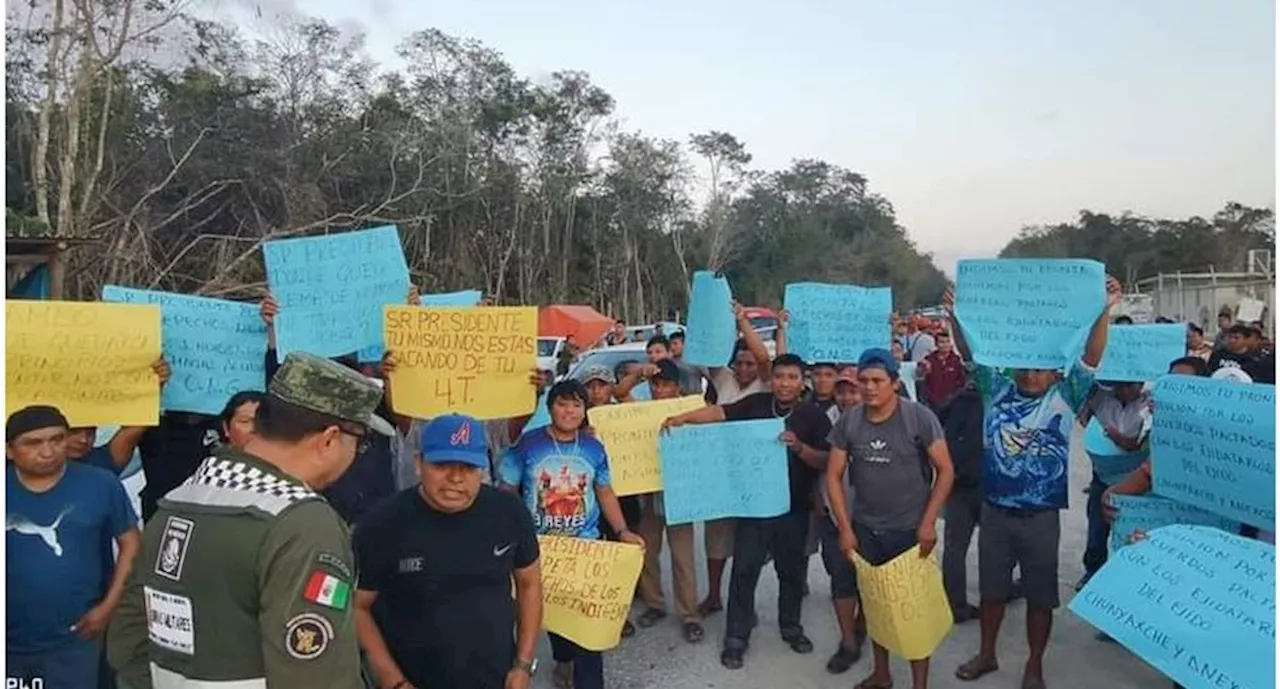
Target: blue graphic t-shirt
1027, 440
558, 481
55, 542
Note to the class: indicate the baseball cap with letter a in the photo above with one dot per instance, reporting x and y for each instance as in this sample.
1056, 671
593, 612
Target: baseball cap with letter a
454, 439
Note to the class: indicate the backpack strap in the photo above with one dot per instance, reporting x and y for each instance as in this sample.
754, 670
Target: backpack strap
911, 421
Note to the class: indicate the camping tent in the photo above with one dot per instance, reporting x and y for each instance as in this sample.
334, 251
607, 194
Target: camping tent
583, 322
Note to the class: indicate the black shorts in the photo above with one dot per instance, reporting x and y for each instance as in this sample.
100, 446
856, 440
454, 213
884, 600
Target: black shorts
1027, 539
844, 579
878, 546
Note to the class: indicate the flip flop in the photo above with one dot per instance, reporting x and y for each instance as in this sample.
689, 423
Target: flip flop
693, 632
871, 683
976, 668
1032, 682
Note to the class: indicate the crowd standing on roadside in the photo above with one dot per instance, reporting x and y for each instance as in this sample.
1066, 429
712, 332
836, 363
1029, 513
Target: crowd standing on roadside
294, 540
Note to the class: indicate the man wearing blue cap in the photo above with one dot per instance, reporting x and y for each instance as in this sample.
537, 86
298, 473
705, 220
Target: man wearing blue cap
438, 558
900, 471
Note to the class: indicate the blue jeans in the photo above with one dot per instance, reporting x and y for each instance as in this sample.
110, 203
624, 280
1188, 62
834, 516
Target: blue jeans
588, 666
1095, 550
74, 664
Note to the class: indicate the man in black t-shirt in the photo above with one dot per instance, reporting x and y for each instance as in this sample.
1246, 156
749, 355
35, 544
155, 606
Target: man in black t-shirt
784, 536
1243, 350
439, 559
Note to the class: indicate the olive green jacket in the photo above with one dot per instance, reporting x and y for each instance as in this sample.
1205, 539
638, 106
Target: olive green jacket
244, 582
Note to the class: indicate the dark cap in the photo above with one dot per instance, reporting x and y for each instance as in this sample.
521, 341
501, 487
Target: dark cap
327, 387
879, 358
667, 370
33, 418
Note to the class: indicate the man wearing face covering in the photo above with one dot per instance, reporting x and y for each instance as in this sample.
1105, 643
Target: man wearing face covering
1029, 416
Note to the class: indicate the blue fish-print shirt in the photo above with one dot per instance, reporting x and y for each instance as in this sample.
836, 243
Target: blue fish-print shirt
1027, 440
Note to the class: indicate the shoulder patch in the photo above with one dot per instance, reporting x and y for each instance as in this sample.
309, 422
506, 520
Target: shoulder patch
173, 547
335, 562
306, 636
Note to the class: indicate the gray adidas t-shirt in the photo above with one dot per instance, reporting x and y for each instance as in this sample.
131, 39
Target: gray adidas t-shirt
887, 465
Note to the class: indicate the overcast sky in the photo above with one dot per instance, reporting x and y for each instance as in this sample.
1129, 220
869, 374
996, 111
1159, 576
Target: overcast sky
973, 118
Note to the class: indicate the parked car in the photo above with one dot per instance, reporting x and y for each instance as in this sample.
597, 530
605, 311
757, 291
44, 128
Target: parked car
761, 317
631, 352
549, 349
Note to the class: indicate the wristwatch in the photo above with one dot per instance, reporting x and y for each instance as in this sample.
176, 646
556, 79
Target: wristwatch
529, 666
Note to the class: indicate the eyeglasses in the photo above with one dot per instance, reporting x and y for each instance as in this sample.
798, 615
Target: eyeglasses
362, 440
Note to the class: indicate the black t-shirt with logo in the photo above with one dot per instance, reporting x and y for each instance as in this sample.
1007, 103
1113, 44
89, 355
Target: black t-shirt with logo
1259, 364
807, 421
444, 584
171, 451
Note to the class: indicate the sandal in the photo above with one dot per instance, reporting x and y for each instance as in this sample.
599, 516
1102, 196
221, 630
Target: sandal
650, 617
1032, 682
871, 683
693, 632
976, 668
843, 659
628, 629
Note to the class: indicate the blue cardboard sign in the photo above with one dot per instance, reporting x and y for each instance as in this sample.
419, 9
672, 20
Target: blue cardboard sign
470, 297
1213, 445
215, 348
331, 289
467, 297
712, 330
1141, 353
730, 469
1110, 463
836, 323
1150, 512
1195, 602
1028, 313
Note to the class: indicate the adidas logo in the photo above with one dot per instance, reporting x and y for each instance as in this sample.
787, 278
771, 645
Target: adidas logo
879, 445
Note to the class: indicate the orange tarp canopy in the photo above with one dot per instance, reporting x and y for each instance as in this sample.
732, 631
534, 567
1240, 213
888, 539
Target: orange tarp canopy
583, 322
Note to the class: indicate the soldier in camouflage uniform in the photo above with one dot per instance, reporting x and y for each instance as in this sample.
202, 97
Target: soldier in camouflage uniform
244, 579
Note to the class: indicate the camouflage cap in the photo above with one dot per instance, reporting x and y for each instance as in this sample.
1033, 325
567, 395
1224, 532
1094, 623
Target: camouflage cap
327, 387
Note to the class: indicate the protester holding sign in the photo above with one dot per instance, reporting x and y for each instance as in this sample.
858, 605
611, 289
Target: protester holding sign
888, 445
563, 475
1122, 409
1029, 421
664, 382
783, 536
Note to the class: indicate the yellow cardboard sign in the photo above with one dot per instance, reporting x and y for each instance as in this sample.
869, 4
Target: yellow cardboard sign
907, 608
587, 587
89, 359
474, 360
630, 436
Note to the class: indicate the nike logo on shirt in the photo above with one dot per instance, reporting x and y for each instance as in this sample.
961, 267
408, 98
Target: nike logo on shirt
500, 551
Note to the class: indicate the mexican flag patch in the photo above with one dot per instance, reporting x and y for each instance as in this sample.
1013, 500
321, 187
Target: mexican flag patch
327, 590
